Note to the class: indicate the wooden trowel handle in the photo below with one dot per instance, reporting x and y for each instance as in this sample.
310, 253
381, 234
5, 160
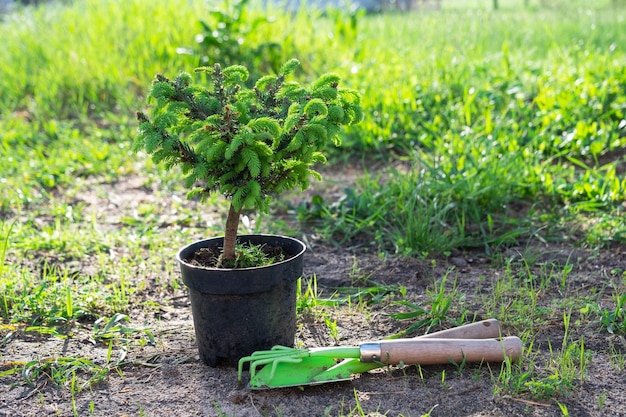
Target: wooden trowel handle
484, 329
418, 351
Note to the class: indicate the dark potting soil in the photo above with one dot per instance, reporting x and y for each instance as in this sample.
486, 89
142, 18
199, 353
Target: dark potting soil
209, 257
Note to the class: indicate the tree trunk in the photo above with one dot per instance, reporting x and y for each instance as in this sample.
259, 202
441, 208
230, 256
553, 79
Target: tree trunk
230, 237
495, 4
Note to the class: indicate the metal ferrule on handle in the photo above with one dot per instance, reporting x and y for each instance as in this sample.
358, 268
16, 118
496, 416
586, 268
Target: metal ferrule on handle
436, 351
370, 352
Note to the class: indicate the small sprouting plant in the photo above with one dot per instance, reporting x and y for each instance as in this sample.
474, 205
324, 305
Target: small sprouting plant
114, 329
64, 371
333, 330
248, 144
614, 320
441, 302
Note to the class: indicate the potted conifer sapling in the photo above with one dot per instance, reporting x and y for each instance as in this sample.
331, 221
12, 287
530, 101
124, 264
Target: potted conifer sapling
248, 144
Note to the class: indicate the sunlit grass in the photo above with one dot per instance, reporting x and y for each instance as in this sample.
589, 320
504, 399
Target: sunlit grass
92, 56
493, 117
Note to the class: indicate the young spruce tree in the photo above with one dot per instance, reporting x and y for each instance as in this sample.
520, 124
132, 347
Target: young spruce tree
248, 144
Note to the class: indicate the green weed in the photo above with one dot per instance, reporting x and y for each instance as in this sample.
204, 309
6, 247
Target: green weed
371, 293
430, 412
4, 246
113, 329
251, 256
333, 330
614, 320
440, 302
64, 371
46, 306
617, 358
564, 369
307, 298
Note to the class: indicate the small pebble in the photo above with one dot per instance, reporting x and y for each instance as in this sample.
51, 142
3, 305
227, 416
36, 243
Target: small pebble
459, 262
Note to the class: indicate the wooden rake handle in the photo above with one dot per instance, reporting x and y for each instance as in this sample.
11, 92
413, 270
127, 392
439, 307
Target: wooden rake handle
432, 351
485, 329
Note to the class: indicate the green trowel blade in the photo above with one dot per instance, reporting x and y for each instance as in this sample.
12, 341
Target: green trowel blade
344, 370
287, 374
311, 370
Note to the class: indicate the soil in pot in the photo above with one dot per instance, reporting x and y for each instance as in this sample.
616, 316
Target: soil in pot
248, 256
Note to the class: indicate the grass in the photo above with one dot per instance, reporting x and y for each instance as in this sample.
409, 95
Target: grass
493, 136
323, 306
564, 368
424, 319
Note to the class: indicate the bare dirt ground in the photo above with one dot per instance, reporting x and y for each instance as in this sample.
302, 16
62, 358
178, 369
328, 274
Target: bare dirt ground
168, 379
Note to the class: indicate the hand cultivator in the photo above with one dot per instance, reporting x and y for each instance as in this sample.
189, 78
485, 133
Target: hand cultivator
286, 367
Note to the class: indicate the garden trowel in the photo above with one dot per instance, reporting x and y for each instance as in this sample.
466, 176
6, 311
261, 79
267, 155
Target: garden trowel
286, 367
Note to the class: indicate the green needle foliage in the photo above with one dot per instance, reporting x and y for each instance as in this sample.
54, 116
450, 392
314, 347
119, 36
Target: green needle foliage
246, 143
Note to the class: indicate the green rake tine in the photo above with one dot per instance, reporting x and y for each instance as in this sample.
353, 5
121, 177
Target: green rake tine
274, 361
263, 357
275, 364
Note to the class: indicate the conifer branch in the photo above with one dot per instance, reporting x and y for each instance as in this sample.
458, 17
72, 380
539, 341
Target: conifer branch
245, 143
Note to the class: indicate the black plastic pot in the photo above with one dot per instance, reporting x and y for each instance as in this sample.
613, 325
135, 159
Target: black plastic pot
239, 311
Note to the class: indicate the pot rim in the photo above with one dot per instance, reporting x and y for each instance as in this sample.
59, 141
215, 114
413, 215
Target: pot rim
198, 244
